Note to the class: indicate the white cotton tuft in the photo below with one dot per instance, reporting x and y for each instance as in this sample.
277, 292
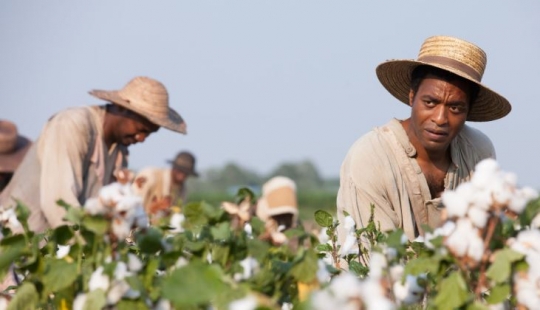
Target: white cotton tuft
94, 206
134, 263
350, 246
377, 265
176, 223
456, 205
118, 289
78, 303
121, 228
408, 292
63, 251
484, 171
247, 303
323, 275
349, 224
248, 229
478, 217
476, 247
98, 280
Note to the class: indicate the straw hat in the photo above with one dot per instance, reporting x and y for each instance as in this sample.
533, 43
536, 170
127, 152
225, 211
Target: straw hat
454, 55
184, 161
278, 197
13, 147
147, 97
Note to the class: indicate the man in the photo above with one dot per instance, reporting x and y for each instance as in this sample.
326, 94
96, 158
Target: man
163, 187
80, 149
278, 202
13, 147
403, 167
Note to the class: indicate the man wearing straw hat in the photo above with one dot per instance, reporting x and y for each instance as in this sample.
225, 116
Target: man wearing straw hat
162, 188
81, 149
403, 167
13, 147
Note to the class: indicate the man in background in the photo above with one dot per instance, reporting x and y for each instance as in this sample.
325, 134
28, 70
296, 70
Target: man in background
13, 147
162, 188
81, 149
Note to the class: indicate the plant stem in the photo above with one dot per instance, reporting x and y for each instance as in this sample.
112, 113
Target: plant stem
492, 224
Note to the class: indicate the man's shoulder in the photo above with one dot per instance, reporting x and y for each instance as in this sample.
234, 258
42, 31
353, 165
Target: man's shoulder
475, 143
76, 115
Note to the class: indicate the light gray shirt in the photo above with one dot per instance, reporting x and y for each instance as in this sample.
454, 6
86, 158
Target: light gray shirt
69, 161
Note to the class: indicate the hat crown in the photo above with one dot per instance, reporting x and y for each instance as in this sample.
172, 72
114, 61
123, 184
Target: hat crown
454, 54
147, 94
8, 136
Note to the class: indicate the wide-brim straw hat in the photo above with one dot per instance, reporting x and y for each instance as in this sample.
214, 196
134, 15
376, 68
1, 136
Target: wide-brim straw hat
278, 197
13, 147
457, 56
185, 161
146, 97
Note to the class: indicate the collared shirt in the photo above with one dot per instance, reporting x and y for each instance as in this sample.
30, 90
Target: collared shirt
381, 169
69, 161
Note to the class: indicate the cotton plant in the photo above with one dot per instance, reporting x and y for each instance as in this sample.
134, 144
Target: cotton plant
118, 202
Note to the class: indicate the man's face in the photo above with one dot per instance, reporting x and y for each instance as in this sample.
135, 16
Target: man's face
134, 129
178, 176
439, 111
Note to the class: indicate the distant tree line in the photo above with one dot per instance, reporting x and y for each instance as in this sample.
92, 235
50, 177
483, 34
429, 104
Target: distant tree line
219, 184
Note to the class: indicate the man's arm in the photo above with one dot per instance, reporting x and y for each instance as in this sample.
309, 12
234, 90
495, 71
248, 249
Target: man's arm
63, 145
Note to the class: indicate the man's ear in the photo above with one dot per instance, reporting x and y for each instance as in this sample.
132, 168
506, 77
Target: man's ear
411, 97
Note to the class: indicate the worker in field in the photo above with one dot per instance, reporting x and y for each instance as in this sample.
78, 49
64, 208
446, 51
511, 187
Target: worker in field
403, 167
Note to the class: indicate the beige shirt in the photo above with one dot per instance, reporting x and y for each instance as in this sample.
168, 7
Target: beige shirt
381, 169
157, 185
69, 161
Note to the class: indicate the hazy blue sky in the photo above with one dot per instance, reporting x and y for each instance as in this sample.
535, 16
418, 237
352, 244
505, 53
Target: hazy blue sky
262, 82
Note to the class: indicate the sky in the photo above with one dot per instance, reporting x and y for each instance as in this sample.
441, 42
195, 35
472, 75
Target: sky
263, 82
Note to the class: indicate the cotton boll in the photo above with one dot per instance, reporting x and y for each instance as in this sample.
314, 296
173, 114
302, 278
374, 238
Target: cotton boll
377, 264
163, 304
456, 205
482, 199
396, 272
323, 236
176, 223
349, 224
349, 246
111, 194
121, 228
78, 303
408, 292
98, 280
527, 242
121, 271
484, 171
478, 217
8, 218
458, 240
345, 286
63, 251
476, 248
94, 206
527, 292
247, 303
248, 229
118, 289
134, 263
249, 266
373, 295
323, 276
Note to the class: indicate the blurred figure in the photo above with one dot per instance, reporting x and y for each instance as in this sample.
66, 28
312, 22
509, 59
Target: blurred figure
162, 188
81, 149
278, 202
13, 147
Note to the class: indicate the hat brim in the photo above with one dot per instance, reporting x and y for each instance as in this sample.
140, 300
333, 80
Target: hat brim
395, 76
186, 170
173, 121
10, 161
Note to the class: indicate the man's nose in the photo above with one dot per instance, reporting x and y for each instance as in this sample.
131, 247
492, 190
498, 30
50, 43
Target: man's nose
440, 115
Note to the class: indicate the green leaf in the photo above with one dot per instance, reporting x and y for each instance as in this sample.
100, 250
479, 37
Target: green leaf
323, 218
306, 269
358, 269
96, 224
423, 265
498, 294
500, 270
324, 247
394, 239
258, 249
25, 298
453, 293
192, 285
131, 305
221, 231
23, 213
59, 274
73, 214
195, 215
95, 300
150, 241
477, 306
62, 234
